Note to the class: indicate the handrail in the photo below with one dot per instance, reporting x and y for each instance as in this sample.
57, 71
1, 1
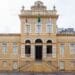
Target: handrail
26, 65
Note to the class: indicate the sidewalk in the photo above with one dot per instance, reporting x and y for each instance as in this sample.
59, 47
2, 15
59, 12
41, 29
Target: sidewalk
22, 73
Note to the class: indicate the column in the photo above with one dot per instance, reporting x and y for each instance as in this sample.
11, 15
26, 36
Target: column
23, 51
33, 51
54, 51
44, 51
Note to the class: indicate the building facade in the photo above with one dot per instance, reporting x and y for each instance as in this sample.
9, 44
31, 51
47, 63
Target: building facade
41, 46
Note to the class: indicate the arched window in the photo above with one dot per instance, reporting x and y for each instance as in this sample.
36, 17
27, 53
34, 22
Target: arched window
38, 41
49, 41
27, 41
49, 47
27, 48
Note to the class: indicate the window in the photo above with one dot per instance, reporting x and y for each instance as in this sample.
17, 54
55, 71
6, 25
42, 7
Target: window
62, 49
49, 62
4, 47
49, 27
28, 28
61, 65
73, 63
4, 64
49, 49
15, 65
38, 28
15, 48
27, 41
72, 48
49, 41
27, 49
38, 41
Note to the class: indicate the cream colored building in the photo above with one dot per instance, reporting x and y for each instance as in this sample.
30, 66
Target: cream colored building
41, 46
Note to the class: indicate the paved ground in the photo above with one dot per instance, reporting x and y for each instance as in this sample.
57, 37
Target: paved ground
19, 73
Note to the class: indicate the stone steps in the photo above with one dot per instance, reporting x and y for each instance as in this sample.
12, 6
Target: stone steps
37, 67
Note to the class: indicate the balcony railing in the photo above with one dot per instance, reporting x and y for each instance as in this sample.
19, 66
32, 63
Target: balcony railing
33, 13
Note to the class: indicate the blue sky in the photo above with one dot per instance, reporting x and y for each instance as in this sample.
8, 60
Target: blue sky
9, 10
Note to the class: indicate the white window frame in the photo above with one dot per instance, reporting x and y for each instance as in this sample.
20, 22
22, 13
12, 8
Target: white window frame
72, 63
72, 48
37, 30
4, 48
62, 51
4, 64
25, 28
15, 48
50, 29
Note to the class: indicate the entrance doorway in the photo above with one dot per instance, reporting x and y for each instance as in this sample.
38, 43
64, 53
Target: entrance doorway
38, 52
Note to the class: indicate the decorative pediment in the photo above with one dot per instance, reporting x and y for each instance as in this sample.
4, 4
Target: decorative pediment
38, 5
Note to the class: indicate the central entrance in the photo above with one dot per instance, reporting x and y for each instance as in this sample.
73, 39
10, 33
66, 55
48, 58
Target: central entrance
38, 52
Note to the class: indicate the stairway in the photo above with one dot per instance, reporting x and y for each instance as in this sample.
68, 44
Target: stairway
38, 66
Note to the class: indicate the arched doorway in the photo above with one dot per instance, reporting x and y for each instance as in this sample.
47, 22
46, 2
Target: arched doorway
38, 49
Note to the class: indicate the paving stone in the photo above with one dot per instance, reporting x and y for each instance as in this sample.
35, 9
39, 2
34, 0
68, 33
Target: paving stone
18, 73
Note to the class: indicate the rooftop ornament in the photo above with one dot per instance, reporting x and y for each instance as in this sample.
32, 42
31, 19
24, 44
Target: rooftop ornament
22, 8
54, 8
38, 5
